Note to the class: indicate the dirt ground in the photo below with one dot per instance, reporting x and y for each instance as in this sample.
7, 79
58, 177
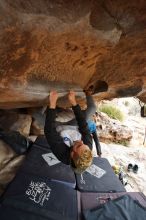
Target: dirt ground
121, 156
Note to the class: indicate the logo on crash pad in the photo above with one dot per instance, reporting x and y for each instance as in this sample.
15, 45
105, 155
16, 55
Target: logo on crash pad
96, 171
38, 192
50, 159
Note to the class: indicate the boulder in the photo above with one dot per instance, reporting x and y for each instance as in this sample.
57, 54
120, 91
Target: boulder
71, 45
111, 130
9, 164
15, 121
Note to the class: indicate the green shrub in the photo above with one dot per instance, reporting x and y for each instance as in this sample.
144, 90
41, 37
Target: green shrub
112, 112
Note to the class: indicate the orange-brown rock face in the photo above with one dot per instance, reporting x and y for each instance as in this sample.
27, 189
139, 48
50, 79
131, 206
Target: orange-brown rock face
71, 44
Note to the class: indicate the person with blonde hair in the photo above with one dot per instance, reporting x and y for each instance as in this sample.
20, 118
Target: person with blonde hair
72, 145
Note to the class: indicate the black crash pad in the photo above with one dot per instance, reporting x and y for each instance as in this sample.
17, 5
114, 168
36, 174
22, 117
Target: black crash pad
42, 141
92, 200
42, 162
104, 180
124, 208
31, 197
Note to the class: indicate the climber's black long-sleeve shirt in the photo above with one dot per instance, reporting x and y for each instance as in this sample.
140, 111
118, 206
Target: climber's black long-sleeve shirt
58, 147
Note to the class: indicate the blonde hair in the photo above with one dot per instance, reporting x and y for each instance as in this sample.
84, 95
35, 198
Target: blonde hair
83, 161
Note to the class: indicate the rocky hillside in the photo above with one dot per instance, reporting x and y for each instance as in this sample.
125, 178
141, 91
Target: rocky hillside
131, 131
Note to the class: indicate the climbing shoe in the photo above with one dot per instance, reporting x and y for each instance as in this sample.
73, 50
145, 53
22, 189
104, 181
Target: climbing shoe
135, 168
130, 167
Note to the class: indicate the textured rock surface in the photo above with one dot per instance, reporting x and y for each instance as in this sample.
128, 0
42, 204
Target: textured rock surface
71, 44
9, 164
110, 130
15, 121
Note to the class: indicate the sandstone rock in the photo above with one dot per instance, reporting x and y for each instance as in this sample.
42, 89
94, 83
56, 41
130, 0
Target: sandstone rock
13, 120
32, 138
22, 124
38, 121
9, 164
71, 44
130, 108
36, 128
110, 130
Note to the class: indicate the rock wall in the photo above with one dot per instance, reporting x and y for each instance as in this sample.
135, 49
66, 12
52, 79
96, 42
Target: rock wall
63, 44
